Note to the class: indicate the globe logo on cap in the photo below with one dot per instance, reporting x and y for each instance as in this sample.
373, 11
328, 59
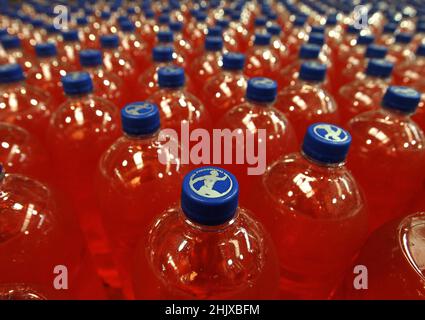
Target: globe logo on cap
405, 91
331, 133
139, 109
210, 183
263, 82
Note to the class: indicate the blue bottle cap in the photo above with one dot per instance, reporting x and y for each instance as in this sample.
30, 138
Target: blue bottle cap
47, 49
312, 71
403, 99
379, 68
201, 16
162, 54
51, 29
213, 43
209, 196
260, 21
164, 19
261, 89
3, 32
11, 73
131, 11
149, 14
374, 51
10, 42
262, 39
105, 15
318, 29
420, 51
420, 27
37, 23
233, 61
175, 26
215, 31
274, 29
91, 58
223, 23
127, 25
351, 29
171, 77
70, 35
82, 21
326, 143
165, 36
389, 28
300, 20
235, 15
77, 83
403, 37
316, 38
109, 41
140, 118
309, 51
365, 39
331, 20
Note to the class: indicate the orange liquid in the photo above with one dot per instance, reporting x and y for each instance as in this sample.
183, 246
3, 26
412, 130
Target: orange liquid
80, 131
317, 219
387, 157
137, 188
179, 260
33, 225
393, 256
306, 103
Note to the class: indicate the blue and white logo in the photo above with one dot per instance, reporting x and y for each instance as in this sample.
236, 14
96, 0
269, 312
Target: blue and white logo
331, 133
210, 183
405, 91
263, 82
139, 109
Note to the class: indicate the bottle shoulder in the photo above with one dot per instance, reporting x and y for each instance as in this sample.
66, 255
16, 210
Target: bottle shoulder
230, 258
300, 186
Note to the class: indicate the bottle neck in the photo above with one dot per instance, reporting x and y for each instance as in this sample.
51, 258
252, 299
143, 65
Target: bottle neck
260, 104
146, 136
397, 113
322, 164
204, 228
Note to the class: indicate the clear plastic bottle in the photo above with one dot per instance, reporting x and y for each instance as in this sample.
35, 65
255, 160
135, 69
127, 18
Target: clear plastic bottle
79, 132
49, 72
176, 105
107, 85
388, 147
33, 225
307, 101
23, 105
261, 60
315, 212
13, 53
200, 237
366, 93
129, 172
393, 256
227, 89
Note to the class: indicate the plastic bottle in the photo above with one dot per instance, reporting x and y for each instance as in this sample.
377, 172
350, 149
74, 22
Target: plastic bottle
307, 101
107, 85
270, 130
315, 212
71, 48
166, 38
388, 147
411, 71
227, 89
131, 171
393, 257
49, 72
366, 93
33, 225
401, 51
23, 105
261, 61
162, 56
176, 105
207, 65
13, 53
200, 238
79, 132
133, 44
